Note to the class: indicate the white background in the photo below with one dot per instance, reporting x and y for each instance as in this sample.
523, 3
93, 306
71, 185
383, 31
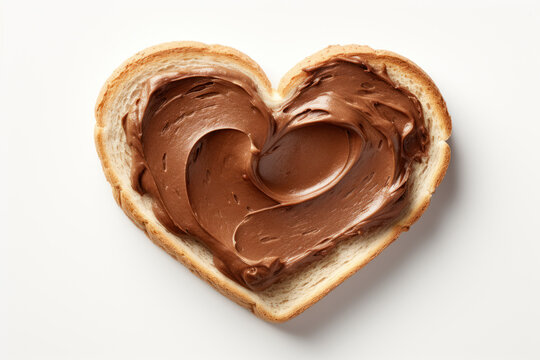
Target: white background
78, 280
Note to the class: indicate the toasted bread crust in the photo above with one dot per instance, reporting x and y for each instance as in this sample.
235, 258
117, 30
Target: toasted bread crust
440, 130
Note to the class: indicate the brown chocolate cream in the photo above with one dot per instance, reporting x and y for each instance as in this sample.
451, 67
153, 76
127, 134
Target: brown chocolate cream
269, 190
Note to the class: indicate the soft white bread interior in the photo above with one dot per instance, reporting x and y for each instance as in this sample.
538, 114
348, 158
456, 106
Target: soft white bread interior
299, 291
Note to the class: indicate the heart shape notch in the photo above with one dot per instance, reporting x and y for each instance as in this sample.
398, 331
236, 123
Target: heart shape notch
269, 185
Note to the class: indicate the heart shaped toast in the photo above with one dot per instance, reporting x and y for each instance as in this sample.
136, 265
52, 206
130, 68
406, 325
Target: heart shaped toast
274, 197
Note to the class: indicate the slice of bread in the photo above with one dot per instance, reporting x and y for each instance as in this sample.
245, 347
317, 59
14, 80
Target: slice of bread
294, 294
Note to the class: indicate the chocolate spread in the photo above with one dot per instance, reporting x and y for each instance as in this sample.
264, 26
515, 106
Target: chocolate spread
268, 190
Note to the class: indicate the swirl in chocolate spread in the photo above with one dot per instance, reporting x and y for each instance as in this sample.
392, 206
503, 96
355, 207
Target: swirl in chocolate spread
269, 190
